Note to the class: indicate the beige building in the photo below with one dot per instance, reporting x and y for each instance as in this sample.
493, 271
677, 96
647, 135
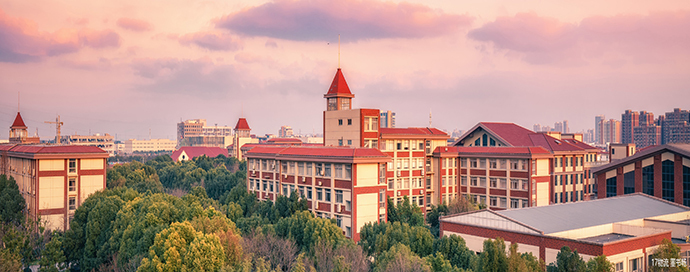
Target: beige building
195, 132
242, 136
153, 145
105, 142
54, 180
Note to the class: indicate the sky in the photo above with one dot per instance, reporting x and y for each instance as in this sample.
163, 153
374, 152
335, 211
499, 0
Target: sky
134, 69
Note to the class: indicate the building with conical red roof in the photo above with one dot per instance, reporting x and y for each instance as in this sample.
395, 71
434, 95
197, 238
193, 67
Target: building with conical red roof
19, 133
242, 136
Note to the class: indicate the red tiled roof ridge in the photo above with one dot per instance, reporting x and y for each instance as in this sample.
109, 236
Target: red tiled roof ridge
242, 124
339, 86
18, 122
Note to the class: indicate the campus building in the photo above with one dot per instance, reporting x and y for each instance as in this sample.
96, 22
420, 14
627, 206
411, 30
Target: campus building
343, 183
505, 166
627, 229
144, 146
662, 171
54, 180
186, 153
195, 132
241, 138
102, 141
19, 133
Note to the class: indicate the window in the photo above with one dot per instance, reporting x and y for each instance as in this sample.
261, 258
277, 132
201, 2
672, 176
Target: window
493, 201
493, 182
629, 182
332, 104
502, 202
667, 177
319, 169
300, 167
339, 196
340, 142
473, 163
619, 267
502, 183
349, 142
308, 173
636, 265
391, 184
72, 203
72, 184
348, 231
340, 122
648, 180
349, 122
406, 145
319, 194
502, 164
327, 170
686, 186
514, 203
348, 171
301, 191
382, 198
493, 164
309, 193
482, 163
338, 171
270, 186
463, 180
611, 187
406, 183
482, 182
421, 145
463, 162
328, 195
514, 165
339, 221
291, 169
348, 205
371, 124
473, 181
514, 184
72, 166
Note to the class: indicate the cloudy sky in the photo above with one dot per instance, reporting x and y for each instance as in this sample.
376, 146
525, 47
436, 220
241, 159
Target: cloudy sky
129, 67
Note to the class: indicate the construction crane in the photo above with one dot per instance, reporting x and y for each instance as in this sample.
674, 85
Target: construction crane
58, 126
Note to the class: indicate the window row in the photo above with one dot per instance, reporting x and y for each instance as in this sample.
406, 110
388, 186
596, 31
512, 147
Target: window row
306, 192
335, 170
501, 202
481, 163
406, 163
567, 161
390, 145
565, 197
414, 200
500, 183
405, 183
568, 179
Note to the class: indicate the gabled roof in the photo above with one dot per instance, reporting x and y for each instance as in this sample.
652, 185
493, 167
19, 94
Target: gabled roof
515, 135
413, 131
242, 124
339, 87
196, 151
18, 122
681, 149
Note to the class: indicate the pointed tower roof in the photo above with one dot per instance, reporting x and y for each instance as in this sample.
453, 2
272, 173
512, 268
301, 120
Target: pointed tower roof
18, 122
339, 87
242, 124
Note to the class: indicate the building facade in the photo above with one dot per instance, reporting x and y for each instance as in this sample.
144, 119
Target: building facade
152, 145
387, 119
343, 183
676, 127
661, 171
105, 142
195, 132
54, 180
19, 133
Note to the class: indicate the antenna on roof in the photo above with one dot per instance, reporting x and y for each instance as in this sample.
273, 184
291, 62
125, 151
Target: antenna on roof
429, 117
338, 51
17, 101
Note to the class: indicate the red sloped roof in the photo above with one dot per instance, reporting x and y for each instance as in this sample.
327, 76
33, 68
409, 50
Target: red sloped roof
284, 140
52, 149
196, 151
321, 151
412, 131
18, 122
553, 144
242, 124
339, 86
513, 134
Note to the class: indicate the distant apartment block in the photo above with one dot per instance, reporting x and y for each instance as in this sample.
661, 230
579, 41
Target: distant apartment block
153, 145
387, 119
599, 139
285, 132
676, 127
195, 132
105, 142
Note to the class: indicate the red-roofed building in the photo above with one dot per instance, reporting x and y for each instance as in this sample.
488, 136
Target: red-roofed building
54, 180
343, 183
560, 175
410, 173
191, 152
241, 138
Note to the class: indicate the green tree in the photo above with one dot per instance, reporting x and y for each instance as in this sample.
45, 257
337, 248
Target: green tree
568, 260
405, 212
53, 259
453, 248
493, 257
666, 251
307, 231
400, 258
599, 264
214, 222
12, 204
376, 237
181, 248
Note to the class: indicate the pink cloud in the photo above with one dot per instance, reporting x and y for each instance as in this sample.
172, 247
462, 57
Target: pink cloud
546, 40
22, 41
354, 19
134, 24
212, 41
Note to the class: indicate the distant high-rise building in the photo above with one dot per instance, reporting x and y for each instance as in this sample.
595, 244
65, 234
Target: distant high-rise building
387, 119
536, 127
566, 128
647, 136
629, 121
558, 126
611, 131
676, 127
588, 136
194, 132
598, 127
286, 132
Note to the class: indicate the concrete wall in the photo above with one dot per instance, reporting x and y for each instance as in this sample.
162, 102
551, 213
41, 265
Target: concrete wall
334, 132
